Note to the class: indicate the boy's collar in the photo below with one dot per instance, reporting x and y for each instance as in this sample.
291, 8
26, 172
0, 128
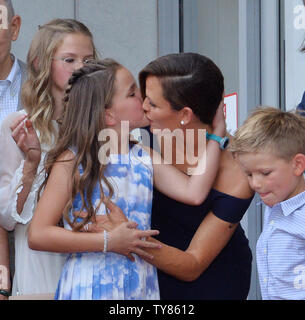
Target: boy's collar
290, 205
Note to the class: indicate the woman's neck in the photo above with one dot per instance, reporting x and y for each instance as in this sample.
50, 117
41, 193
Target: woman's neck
185, 152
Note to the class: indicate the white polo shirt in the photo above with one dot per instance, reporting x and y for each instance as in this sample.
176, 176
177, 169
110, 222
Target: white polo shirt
280, 251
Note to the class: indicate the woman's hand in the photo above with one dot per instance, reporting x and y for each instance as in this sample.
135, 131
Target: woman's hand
219, 123
121, 231
26, 139
125, 239
107, 222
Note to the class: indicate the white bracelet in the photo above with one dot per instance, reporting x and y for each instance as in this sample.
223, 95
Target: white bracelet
106, 237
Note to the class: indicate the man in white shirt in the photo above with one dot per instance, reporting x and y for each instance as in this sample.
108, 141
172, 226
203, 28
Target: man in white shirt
12, 75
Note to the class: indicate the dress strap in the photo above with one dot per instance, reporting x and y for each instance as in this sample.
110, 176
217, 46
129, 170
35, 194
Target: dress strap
72, 149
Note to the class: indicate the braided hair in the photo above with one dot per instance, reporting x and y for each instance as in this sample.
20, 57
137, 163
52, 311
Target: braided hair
89, 92
76, 75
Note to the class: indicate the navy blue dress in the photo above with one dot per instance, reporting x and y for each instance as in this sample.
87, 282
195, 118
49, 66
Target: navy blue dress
228, 276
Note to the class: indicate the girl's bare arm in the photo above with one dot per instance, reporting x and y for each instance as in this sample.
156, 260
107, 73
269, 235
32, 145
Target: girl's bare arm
45, 235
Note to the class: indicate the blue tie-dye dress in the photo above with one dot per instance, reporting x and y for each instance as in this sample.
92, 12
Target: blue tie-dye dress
100, 276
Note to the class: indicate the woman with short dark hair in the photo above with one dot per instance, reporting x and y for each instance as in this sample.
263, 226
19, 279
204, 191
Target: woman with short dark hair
205, 253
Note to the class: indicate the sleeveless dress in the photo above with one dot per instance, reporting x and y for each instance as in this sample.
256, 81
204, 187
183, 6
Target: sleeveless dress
100, 276
228, 276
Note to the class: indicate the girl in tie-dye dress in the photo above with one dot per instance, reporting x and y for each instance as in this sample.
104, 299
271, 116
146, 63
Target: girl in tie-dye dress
113, 276
85, 171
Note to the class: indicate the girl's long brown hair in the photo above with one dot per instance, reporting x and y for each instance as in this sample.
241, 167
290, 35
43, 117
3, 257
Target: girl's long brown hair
90, 91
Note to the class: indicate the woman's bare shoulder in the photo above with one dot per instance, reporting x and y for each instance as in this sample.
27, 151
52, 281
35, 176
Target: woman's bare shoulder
230, 178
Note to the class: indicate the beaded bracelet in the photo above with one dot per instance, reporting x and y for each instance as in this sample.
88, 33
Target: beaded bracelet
4, 293
106, 237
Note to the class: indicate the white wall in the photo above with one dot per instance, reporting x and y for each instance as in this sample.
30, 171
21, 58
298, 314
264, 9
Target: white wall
214, 33
123, 29
34, 13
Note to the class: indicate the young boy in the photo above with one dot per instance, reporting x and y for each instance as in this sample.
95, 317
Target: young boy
270, 148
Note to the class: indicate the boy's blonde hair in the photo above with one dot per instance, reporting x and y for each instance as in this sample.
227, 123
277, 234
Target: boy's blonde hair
36, 92
272, 130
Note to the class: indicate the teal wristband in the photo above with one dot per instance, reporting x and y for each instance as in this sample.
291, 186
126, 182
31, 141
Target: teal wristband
223, 142
4, 293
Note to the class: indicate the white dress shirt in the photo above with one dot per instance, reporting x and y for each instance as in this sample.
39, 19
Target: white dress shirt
280, 251
9, 91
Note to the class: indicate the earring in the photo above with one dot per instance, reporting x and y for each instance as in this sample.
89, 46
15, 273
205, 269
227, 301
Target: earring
182, 122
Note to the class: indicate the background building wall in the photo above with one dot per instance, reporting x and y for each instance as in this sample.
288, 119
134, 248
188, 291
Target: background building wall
127, 33
216, 36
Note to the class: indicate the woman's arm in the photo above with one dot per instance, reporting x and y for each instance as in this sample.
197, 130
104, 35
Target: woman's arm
45, 235
210, 238
212, 235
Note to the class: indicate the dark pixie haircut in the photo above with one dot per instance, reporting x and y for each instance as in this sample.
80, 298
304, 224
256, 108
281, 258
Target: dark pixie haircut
188, 80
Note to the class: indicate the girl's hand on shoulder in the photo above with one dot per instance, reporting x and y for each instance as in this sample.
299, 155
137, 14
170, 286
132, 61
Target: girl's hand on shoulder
26, 139
219, 123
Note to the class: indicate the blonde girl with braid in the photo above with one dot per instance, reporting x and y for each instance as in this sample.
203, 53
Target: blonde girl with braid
82, 177
57, 49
